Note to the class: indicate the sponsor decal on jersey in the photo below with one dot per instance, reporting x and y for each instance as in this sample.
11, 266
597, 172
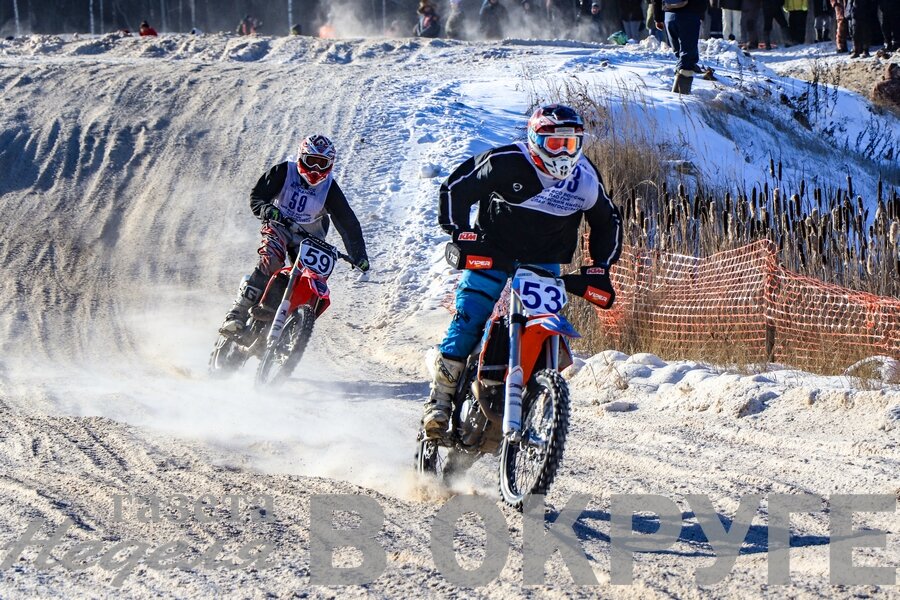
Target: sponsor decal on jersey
596, 271
467, 236
597, 296
479, 262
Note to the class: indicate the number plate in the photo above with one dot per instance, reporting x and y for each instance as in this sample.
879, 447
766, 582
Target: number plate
539, 295
317, 257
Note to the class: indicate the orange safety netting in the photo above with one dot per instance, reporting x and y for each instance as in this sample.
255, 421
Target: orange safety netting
744, 298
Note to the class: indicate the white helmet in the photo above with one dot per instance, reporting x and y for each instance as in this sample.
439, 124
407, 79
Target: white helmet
555, 139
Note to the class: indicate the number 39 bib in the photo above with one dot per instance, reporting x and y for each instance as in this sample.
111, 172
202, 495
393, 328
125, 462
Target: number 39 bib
300, 201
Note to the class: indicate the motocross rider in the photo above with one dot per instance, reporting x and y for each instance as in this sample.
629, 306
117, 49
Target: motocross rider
294, 196
531, 197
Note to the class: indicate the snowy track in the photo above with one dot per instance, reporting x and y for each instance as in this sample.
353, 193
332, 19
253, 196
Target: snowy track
126, 167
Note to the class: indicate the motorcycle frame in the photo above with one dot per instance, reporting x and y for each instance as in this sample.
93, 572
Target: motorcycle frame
528, 337
304, 287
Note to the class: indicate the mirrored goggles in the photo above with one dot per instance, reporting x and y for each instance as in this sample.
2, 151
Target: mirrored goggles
316, 162
560, 144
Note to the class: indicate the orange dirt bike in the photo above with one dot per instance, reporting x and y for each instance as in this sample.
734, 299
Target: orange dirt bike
511, 399
281, 322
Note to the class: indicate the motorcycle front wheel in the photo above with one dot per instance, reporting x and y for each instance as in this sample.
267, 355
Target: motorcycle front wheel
279, 359
528, 466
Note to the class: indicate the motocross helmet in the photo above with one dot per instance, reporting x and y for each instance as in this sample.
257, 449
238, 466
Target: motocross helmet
315, 158
555, 138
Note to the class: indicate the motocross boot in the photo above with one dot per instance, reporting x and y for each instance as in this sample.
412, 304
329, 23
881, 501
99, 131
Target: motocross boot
440, 403
248, 294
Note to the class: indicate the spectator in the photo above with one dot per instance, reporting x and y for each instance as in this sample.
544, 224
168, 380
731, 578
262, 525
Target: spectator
890, 24
651, 24
797, 11
296, 30
841, 27
491, 19
887, 91
248, 26
146, 30
429, 25
563, 13
196, 31
860, 13
773, 10
822, 13
456, 21
750, 11
632, 13
731, 19
683, 27
715, 19
592, 25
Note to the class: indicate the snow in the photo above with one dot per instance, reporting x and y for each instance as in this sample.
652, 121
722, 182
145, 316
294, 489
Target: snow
126, 166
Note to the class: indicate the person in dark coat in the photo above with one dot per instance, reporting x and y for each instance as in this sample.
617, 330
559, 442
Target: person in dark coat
632, 13
860, 13
715, 19
731, 19
491, 19
683, 28
890, 24
429, 25
773, 12
750, 16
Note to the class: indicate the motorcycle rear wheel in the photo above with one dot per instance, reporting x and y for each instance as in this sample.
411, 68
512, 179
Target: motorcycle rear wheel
226, 358
529, 465
433, 458
279, 359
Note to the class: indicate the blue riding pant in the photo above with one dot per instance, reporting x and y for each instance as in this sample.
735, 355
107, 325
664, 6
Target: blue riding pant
476, 296
684, 33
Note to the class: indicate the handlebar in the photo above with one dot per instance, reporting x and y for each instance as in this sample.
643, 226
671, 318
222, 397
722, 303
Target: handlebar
296, 229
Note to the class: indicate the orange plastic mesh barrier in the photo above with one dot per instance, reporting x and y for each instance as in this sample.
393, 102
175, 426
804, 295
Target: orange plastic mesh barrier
743, 299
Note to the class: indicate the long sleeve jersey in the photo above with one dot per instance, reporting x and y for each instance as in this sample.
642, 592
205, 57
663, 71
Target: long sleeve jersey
527, 214
281, 186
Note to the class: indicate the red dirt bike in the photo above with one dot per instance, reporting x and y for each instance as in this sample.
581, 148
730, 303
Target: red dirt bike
511, 399
281, 322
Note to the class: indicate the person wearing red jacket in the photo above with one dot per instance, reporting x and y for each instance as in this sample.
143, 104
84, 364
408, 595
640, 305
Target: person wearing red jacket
146, 30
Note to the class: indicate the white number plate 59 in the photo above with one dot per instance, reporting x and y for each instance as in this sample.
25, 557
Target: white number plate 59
539, 295
315, 259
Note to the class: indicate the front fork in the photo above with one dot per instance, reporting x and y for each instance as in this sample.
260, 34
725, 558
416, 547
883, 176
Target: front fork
512, 401
282, 313
512, 407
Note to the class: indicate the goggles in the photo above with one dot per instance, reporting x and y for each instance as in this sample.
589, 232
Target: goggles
316, 162
560, 144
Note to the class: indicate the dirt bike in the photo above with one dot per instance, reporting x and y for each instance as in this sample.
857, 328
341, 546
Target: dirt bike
281, 322
511, 399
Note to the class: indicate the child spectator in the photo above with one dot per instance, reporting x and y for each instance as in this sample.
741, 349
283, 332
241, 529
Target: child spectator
146, 30
429, 25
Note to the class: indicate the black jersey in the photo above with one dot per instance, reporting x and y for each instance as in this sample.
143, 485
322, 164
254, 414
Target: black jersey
527, 214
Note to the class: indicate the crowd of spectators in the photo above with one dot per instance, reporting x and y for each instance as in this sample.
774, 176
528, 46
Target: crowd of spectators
858, 24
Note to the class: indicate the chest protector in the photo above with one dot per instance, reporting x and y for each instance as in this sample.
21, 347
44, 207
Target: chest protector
300, 202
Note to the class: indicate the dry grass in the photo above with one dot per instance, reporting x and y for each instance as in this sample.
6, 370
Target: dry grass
827, 234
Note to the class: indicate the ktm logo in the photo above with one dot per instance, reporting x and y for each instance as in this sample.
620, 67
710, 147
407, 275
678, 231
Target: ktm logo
479, 262
467, 236
596, 271
597, 296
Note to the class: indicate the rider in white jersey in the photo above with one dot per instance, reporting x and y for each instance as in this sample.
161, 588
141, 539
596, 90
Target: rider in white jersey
290, 197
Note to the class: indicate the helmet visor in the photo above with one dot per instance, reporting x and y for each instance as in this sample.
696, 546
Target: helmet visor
560, 144
316, 162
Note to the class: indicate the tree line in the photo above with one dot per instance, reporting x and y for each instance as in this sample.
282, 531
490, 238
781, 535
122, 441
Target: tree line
79, 16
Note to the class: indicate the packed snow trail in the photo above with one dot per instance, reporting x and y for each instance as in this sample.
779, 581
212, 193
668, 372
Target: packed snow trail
127, 165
